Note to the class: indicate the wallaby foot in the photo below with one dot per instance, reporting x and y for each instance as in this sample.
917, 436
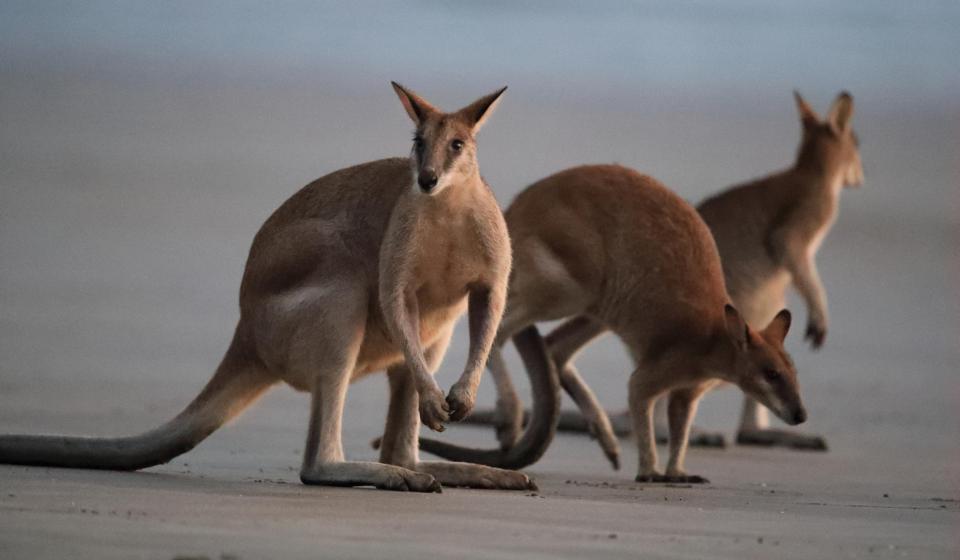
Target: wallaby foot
469, 475
681, 478
384, 477
767, 437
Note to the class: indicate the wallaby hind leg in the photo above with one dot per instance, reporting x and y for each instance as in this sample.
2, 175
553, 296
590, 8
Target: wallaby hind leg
400, 439
508, 414
681, 409
564, 343
699, 437
507, 418
559, 296
332, 359
400, 442
323, 460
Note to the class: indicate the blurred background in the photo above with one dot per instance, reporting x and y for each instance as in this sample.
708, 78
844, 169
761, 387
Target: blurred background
143, 144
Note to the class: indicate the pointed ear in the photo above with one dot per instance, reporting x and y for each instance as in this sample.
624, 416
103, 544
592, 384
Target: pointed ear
417, 107
841, 112
477, 112
780, 326
736, 326
808, 116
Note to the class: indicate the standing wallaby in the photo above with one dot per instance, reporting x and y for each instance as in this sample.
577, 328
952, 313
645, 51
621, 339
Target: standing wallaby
768, 232
607, 242
363, 270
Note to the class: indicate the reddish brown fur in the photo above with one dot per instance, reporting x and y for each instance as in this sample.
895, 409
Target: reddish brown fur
607, 242
767, 232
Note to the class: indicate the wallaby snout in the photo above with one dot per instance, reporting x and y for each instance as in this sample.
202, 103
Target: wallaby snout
427, 179
799, 416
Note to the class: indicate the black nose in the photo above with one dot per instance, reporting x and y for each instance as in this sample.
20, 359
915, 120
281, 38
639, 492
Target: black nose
427, 179
799, 416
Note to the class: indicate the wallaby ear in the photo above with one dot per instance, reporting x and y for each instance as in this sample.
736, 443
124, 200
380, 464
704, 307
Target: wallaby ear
841, 112
779, 326
417, 107
808, 116
477, 112
736, 326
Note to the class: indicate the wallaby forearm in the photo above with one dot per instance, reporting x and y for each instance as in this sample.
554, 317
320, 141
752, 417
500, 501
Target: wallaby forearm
402, 315
806, 279
485, 307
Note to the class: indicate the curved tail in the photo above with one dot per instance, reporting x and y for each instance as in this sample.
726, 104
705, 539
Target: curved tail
234, 386
541, 428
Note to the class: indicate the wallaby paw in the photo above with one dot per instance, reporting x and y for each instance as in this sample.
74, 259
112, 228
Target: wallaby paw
681, 478
434, 411
816, 334
460, 401
403, 480
782, 438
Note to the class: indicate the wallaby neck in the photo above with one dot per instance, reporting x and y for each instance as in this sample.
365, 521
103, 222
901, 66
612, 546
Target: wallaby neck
453, 200
816, 172
723, 356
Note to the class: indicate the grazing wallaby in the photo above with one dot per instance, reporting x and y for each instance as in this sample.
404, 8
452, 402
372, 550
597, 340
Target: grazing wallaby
365, 269
767, 232
607, 242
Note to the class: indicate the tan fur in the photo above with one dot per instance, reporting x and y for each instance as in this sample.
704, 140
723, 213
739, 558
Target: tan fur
363, 270
607, 242
768, 232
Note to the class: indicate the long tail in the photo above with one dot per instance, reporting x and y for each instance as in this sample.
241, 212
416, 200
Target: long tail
542, 426
234, 386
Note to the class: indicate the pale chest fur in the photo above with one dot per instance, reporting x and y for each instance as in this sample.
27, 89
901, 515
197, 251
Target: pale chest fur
450, 257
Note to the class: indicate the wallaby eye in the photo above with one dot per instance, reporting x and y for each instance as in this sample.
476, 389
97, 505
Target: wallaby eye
456, 145
771, 375
418, 142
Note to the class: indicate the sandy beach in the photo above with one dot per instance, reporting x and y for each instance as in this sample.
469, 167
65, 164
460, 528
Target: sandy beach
134, 173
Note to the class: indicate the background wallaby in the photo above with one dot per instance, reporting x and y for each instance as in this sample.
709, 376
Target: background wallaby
607, 242
363, 270
768, 232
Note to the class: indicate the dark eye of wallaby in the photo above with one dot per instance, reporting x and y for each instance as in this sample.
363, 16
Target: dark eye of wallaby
771, 374
418, 142
456, 145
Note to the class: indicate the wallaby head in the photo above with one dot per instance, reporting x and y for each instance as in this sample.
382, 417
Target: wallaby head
444, 144
761, 366
831, 144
